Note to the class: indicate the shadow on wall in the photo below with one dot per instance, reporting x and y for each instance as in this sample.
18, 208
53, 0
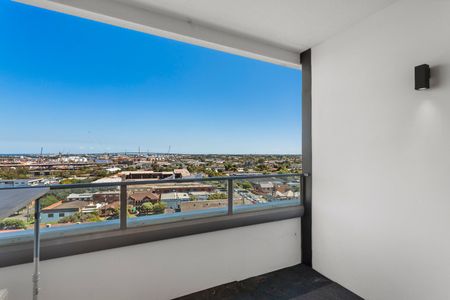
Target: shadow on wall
438, 75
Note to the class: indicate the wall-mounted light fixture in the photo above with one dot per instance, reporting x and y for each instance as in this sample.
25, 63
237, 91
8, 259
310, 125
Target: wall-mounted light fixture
422, 77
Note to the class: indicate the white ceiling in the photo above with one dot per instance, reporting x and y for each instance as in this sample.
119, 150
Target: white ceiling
271, 30
292, 24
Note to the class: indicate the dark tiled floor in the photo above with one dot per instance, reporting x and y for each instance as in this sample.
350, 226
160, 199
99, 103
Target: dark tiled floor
298, 282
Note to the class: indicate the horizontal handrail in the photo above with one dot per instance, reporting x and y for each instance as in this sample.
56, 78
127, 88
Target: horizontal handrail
159, 181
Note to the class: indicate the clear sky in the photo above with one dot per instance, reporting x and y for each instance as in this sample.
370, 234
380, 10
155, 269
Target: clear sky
74, 85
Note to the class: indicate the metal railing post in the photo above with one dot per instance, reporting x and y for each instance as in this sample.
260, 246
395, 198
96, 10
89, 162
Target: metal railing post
36, 249
230, 196
302, 189
123, 207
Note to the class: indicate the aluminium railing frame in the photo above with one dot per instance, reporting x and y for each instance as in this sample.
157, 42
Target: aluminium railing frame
123, 203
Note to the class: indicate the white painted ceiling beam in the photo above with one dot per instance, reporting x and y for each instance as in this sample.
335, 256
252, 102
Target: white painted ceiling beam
156, 23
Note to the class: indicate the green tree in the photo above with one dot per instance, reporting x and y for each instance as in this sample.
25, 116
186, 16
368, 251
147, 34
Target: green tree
13, 173
48, 200
213, 173
229, 166
217, 196
282, 171
100, 173
6, 224
146, 208
158, 208
247, 185
131, 209
111, 213
82, 218
74, 181
262, 167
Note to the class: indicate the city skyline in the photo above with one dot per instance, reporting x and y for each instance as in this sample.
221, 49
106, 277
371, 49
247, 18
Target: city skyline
136, 153
76, 86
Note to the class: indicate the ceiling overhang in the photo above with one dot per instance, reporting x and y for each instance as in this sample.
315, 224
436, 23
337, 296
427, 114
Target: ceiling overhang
172, 27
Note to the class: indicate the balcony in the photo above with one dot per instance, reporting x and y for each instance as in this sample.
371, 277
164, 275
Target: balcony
373, 216
233, 231
231, 237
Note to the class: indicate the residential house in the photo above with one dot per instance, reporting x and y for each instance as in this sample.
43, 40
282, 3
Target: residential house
110, 209
282, 188
264, 187
59, 210
139, 198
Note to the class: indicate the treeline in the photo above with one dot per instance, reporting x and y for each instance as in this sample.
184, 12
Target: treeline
13, 173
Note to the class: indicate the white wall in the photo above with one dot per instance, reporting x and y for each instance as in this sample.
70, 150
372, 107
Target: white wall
381, 155
164, 269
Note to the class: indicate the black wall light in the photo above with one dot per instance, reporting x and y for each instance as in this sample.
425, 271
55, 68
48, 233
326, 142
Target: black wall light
422, 77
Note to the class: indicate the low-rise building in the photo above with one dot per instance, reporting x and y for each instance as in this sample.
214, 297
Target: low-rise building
199, 195
149, 175
59, 210
113, 170
202, 204
91, 208
139, 198
282, 188
265, 187
10, 183
80, 197
111, 179
181, 173
173, 200
107, 196
185, 187
109, 210
145, 175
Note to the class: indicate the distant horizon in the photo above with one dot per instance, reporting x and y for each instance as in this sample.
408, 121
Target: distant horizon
74, 85
145, 152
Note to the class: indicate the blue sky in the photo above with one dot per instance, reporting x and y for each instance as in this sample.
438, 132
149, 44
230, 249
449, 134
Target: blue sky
74, 85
